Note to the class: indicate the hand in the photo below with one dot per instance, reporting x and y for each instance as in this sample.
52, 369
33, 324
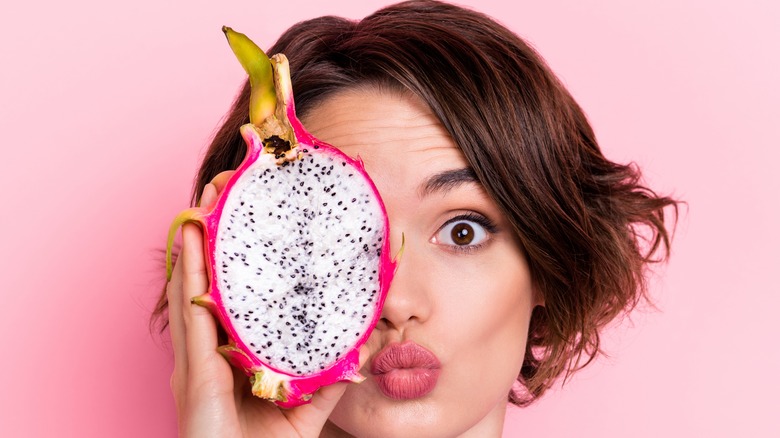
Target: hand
212, 398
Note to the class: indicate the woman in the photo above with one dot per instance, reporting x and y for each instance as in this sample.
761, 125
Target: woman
522, 240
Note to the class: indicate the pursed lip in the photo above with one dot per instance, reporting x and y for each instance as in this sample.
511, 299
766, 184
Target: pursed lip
405, 371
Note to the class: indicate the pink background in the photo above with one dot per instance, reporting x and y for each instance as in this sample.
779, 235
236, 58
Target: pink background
105, 110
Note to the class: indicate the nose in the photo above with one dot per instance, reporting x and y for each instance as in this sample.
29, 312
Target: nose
409, 300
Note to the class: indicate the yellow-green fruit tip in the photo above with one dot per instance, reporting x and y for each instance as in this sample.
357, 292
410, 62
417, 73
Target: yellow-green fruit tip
262, 100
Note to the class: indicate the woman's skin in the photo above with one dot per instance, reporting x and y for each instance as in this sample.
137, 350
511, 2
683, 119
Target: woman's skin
467, 297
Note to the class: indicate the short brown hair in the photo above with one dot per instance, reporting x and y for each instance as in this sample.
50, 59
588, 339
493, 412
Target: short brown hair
587, 225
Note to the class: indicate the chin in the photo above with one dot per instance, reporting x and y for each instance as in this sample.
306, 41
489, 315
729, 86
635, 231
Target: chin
365, 412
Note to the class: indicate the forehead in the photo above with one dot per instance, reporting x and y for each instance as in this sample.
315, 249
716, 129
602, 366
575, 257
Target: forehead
396, 135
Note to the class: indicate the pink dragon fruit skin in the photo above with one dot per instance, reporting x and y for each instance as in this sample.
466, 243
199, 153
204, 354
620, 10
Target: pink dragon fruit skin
272, 113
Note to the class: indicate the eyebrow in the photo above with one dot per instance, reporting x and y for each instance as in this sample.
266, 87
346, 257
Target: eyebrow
447, 180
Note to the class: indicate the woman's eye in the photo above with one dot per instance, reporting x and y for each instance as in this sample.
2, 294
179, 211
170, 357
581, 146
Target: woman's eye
461, 233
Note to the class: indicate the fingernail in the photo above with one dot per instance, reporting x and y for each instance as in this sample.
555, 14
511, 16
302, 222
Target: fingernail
208, 196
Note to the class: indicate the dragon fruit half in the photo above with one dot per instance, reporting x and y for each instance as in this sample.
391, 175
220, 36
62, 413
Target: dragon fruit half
296, 246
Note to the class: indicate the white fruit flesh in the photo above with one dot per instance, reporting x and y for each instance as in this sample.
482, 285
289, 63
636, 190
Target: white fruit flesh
297, 259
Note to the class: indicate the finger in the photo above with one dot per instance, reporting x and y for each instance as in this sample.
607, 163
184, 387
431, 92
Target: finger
209, 196
212, 190
178, 335
175, 317
364, 355
220, 181
201, 331
309, 419
209, 408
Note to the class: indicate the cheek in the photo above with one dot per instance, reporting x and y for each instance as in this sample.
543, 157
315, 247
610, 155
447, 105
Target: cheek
483, 295
483, 311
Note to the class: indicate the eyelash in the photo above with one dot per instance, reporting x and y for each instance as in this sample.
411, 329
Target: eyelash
489, 226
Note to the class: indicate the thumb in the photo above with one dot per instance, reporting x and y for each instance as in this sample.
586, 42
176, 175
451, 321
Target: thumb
309, 419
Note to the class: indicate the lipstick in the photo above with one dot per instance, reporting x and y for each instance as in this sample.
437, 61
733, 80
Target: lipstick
405, 371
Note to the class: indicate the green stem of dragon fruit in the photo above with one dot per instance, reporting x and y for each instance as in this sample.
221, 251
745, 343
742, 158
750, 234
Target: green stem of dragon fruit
269, 82
262, 101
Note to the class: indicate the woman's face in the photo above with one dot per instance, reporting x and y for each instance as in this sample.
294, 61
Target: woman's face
454, 326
